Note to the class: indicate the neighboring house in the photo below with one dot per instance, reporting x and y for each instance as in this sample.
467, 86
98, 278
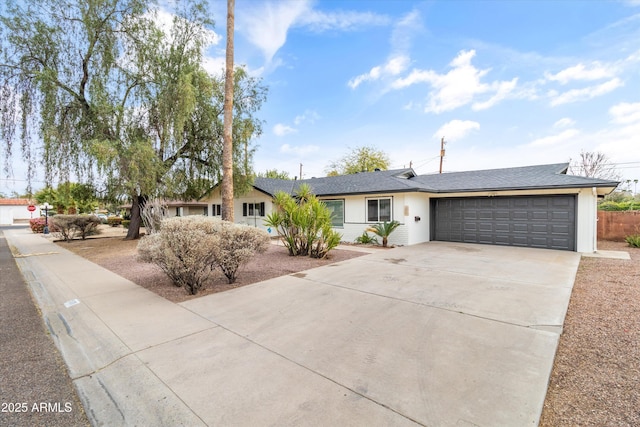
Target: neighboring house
177, 208
15, 210
532, 206
180, 208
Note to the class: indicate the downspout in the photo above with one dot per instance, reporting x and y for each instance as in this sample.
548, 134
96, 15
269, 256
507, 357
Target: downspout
595, 209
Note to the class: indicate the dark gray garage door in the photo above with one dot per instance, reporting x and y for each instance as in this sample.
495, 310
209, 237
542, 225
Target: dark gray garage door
535, 221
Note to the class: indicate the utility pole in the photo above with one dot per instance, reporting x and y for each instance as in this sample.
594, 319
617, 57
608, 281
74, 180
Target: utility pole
300, 170
441, 152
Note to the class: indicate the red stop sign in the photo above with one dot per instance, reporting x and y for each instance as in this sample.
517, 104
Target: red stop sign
31, 208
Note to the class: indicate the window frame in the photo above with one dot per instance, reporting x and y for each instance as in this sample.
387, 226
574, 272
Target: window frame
377, 200
342, 201
253, 209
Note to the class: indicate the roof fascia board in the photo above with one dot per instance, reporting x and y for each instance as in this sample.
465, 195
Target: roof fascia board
545, 187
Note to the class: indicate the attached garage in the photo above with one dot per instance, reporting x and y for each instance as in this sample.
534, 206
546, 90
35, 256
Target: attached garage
530, 221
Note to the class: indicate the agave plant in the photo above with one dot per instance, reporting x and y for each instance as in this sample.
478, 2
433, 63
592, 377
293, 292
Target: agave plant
384, 230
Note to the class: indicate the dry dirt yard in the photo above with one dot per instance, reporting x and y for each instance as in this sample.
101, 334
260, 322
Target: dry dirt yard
596, 374
120, 256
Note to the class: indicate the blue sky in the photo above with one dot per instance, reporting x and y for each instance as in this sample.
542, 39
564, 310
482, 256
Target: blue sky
507, 83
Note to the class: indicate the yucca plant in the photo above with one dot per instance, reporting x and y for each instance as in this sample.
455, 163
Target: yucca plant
304, 223
384, 230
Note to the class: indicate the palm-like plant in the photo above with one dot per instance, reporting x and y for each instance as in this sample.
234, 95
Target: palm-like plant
384, 230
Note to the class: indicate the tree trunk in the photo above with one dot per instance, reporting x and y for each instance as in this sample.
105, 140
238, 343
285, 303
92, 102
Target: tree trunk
227, 151
136, 217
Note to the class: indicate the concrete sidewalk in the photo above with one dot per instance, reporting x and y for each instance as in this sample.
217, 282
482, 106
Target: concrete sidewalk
433, 334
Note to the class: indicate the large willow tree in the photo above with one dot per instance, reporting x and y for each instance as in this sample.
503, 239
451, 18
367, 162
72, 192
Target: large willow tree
99, 89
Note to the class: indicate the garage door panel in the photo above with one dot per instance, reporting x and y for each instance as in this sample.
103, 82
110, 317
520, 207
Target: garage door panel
539, 228
519, 215
534, 221
502, 227
560, 216
520, 228
540, 215
485, 226
560, 229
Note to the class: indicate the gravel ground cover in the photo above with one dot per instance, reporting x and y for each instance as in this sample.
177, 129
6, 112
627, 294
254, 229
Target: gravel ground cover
119, 256
596, 373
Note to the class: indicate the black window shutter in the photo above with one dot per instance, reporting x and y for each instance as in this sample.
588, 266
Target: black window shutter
261, 208
244, 209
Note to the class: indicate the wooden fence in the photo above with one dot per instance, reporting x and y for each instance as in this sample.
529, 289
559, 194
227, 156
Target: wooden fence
616, 225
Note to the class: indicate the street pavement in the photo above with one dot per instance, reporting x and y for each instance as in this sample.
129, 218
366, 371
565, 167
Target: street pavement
434, 334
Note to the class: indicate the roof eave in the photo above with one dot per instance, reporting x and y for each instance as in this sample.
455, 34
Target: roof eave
540, 187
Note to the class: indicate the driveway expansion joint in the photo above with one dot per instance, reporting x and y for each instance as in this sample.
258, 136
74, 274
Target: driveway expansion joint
354, 391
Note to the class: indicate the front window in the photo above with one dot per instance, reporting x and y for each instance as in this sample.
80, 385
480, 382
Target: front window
253, 209
379, 210
336, 207
216, 209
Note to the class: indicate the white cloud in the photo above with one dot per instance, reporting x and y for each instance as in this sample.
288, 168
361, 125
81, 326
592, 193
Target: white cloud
404, 31
309, 116
625, 113
398, 60
282, 130
575, 95
299, 151
459, 86
596, 71
502, 91
392, 67
342, 21
266, 24
554, 140
214, 65
564, 122
456, 129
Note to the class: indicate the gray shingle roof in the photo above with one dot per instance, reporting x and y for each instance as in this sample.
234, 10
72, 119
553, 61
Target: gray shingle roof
405, 180
519, 178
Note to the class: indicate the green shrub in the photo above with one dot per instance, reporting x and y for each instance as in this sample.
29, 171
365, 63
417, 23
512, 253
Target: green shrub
114, 221
627, 205
303, 223
384, 230
125, 223
633, 240
366, 239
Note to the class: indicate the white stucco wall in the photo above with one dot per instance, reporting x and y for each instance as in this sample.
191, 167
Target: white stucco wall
254, 196
406, 206
355, 219
586, 221
9, 214
418, 229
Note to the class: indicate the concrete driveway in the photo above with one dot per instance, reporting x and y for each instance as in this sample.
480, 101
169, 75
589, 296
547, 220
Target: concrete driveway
433, 334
